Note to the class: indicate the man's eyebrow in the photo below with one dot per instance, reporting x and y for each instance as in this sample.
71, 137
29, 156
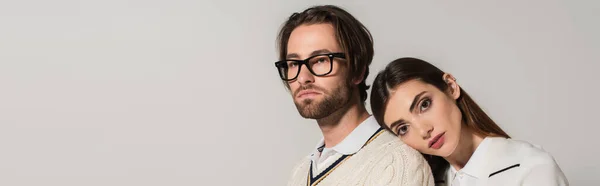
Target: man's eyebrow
292, 55
316, 52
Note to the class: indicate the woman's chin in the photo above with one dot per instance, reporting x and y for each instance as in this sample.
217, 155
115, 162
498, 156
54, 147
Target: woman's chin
449, 149
444, 151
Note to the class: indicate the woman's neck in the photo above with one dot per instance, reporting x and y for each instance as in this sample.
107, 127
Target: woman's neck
468, 143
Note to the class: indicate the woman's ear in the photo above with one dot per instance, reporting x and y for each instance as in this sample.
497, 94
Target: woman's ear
453, 88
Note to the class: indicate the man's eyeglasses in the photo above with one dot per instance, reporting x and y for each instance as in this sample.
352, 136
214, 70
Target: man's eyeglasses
318, 65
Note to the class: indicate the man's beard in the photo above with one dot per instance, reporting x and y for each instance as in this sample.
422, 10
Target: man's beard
332, 101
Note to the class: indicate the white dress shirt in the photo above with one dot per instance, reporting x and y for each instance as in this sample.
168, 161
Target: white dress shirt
501, 161
323, 157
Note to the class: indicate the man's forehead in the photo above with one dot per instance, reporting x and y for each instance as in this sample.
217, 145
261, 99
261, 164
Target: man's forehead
311, 39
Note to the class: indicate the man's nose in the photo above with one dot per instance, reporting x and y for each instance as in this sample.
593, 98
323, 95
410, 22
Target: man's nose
304, 76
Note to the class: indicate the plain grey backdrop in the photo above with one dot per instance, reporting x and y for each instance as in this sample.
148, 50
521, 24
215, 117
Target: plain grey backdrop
184, 92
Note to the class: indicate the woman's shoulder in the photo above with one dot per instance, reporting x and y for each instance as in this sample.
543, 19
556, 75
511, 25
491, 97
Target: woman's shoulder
537, 166
528, 153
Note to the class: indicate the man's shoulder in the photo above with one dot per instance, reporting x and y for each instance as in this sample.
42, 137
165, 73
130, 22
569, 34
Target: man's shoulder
389, 146
299, 171
389, 160
387, 142
303, 163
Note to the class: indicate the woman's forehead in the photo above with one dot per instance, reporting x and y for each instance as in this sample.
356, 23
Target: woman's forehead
410, 89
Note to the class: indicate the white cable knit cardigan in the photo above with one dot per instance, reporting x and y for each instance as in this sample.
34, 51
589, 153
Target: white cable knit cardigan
384, 161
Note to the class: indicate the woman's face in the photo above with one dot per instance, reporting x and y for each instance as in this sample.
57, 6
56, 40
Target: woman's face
424, 117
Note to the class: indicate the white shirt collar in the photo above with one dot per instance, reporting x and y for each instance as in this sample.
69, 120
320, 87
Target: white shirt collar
355, 140
476, 165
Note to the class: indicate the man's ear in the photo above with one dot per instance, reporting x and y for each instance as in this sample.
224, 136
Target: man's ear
357, 80
453, 87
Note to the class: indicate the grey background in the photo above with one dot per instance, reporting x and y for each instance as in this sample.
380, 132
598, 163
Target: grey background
183, 92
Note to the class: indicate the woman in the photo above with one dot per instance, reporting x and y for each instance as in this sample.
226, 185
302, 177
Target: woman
430, 112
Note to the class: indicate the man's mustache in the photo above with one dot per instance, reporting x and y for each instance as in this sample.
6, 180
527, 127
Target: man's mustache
309, 87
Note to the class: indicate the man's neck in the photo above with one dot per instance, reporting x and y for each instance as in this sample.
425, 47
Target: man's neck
341, 123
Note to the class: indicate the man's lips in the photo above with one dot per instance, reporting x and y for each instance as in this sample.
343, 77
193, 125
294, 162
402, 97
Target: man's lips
305, 93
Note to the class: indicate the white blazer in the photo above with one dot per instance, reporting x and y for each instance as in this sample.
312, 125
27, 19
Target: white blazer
507, 162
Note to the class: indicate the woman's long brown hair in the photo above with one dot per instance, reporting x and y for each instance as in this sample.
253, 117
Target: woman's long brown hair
404, 69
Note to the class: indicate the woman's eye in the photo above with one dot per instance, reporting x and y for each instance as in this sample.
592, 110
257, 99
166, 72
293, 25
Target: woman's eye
402, 130
425, 104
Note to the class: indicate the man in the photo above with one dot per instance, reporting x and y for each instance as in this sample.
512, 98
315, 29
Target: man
324, 55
